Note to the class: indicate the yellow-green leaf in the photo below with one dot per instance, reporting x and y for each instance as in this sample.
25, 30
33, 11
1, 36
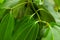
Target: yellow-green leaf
1, 1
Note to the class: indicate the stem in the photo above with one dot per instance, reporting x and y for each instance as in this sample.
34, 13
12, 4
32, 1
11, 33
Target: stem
11, 10
36, 12
40, 18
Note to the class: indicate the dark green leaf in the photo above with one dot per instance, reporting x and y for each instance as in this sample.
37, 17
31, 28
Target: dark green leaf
26, 27
6, 27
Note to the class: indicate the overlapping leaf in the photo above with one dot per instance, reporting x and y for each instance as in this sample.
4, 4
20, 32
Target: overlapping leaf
10, 3
6, 27
19, 11
50, 8
27, 29
53, 33
45, 16
2, 13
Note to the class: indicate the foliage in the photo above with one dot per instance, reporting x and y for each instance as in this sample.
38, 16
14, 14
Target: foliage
29, 19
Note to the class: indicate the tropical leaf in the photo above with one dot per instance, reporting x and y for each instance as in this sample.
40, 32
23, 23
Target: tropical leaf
25, 27
46, 16
2, 13
53, 34
29, 20
6, 27
18, 11
50, 8
8, 3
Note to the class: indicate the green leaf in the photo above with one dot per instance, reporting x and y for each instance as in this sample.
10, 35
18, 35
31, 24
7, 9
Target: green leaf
11, 3
28, 11
32, 35
46, 32
6, 27
3, 25
9, 29
26, 27
20, 22
57, 2
46, 16
1, 1
53, 34
50, 9
2, 13
19, 11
